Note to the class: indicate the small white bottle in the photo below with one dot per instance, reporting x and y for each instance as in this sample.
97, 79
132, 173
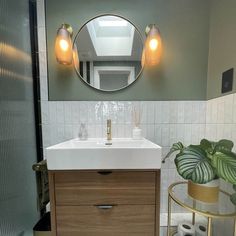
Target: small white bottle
83, 133
137, 133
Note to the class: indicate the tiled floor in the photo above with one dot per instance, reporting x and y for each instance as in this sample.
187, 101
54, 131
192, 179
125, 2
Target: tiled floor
163, 231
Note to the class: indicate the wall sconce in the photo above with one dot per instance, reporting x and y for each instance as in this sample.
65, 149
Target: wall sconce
65, 54
63, 45
153, 46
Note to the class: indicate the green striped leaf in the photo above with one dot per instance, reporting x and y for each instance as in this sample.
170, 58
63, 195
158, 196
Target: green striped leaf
192, 164
175, 147
207, 145
224, 145
212, 147
225, 165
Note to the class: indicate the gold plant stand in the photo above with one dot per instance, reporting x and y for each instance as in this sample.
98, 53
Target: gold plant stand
221, 210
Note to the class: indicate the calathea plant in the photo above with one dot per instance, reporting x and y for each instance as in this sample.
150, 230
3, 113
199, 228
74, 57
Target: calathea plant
205, 162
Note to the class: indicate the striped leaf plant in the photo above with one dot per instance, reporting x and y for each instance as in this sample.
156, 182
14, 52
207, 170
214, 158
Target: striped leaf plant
205, 162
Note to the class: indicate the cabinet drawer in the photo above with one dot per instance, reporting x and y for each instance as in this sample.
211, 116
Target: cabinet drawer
119, 220
89, 188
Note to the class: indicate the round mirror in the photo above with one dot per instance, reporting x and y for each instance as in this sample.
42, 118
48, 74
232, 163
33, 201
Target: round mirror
108, 53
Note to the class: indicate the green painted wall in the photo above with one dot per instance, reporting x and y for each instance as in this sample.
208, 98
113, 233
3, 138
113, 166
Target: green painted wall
222, 46
184, 26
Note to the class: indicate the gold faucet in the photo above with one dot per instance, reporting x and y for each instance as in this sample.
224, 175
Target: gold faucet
108, 130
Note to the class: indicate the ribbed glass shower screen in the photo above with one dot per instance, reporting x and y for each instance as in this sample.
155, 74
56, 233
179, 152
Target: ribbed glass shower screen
18, 209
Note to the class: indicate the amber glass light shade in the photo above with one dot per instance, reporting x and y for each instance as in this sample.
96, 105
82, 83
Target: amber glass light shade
153, 47
63, 46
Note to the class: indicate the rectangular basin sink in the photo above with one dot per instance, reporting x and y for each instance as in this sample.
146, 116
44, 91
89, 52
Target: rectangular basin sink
98, 154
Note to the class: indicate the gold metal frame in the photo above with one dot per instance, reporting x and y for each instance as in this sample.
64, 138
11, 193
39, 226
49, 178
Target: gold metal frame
141, 37
209, 215
66, 27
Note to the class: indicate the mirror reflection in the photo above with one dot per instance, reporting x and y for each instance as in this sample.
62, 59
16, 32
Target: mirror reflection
108, 52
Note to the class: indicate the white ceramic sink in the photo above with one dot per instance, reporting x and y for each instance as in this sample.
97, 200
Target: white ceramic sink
99, 154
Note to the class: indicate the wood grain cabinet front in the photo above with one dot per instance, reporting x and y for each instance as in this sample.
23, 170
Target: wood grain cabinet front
90, 203
125, 220
90, 188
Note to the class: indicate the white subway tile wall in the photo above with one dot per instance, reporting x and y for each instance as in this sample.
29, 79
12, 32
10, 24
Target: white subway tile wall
163, 122
221, 118
66, 114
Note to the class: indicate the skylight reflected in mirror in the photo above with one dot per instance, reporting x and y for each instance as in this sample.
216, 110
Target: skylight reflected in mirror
112, 21
111, 36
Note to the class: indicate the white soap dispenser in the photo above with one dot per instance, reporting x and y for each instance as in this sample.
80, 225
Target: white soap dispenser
83, 133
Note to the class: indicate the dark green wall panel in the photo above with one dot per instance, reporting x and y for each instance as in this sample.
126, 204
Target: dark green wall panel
222, 50
182, 74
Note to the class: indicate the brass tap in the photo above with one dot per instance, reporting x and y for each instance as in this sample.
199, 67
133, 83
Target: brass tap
108, 130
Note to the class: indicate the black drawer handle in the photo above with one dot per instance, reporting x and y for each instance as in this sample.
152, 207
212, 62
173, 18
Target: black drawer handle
104, 172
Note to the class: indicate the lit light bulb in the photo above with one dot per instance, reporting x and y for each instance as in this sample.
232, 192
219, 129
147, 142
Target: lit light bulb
153, 44
64, 45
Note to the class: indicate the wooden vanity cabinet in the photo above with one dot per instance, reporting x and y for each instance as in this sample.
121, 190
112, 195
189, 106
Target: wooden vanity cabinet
105, 203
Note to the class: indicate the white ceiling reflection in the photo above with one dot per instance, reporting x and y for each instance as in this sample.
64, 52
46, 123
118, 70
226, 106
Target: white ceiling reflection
111, 36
